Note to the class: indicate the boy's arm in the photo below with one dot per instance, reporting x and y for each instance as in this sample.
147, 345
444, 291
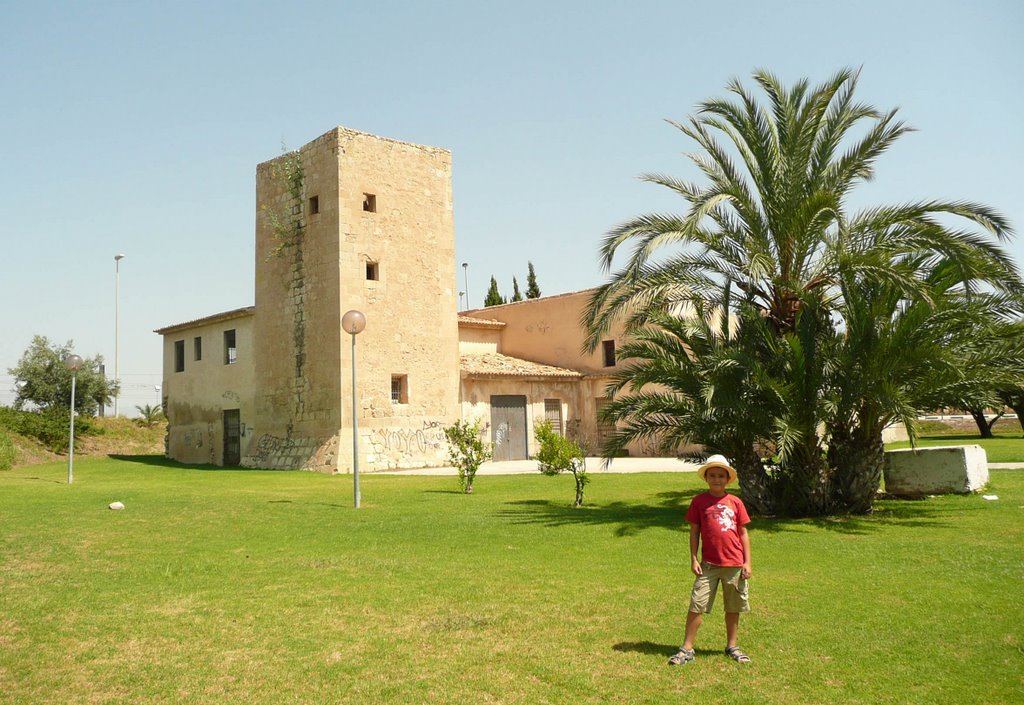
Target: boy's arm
694, 545
746, 570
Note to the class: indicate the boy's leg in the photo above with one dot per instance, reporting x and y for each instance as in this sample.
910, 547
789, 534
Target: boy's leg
700, 601
693, 621
732, 627
734, 594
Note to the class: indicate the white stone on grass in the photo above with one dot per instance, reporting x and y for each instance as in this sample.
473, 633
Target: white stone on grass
938, 470
116, 505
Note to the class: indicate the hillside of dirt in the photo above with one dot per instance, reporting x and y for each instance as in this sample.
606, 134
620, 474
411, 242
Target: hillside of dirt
113, 436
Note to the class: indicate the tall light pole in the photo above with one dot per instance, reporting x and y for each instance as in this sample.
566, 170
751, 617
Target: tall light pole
117, 319
73, 363
465, 275
353, 322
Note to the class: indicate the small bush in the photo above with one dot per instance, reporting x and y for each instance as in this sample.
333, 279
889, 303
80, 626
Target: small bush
558, 454
7, 450
49, 427
466, 451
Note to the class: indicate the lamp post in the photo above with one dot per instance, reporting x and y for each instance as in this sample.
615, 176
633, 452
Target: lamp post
73, 363
353, 322
117, 317
465, 276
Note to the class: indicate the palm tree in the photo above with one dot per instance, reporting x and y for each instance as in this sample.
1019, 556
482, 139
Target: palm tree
900, 357
771, 223
149, 415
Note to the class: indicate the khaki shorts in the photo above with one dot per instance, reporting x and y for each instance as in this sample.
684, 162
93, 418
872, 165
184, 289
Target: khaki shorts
734, 589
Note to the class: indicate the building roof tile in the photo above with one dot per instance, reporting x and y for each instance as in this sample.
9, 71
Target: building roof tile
498, 365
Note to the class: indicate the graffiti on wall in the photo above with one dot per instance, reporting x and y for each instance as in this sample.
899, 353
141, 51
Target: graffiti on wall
429, 438
268, 445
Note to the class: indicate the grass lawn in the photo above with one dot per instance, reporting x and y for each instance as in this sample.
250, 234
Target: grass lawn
1006, 447
218, 586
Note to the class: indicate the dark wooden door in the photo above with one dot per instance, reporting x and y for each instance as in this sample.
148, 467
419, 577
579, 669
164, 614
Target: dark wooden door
232, 437
508, 427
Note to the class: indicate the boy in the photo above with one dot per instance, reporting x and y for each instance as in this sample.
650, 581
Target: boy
718, 524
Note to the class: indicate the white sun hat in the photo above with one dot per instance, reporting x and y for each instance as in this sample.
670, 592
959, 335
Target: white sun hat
717, 461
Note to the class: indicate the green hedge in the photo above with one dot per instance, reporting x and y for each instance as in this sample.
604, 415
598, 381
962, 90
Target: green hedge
7, 450
49, 427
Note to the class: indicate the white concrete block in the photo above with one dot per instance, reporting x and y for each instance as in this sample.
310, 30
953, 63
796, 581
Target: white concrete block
938, 470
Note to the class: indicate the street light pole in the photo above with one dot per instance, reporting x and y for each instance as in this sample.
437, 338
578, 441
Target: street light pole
117, 320
354, 322
73, 363
465, 276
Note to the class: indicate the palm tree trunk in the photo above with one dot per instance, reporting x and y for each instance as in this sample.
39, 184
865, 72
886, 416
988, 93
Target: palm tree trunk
858, 463
983, 424
804, 485
755, 484
1019, 410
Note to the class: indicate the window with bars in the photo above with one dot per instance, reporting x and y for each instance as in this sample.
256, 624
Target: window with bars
399, 389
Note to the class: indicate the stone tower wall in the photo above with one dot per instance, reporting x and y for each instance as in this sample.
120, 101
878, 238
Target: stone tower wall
380, 202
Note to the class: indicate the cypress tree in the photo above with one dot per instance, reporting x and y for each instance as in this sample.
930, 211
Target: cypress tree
516, 295
494, 297
532, 290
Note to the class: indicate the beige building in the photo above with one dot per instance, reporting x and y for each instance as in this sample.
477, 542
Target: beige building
355, 221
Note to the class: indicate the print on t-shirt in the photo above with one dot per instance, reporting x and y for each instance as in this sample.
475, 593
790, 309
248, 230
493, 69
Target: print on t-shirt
724, 515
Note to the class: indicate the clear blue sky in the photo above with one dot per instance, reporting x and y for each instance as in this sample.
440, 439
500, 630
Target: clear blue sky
135, 128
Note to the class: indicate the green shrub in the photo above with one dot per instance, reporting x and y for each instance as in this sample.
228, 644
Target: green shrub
558, 454
7, 450
50, 427
466, 451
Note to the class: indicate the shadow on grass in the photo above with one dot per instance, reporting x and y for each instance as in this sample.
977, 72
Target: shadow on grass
904, 513
670, 513
649, 648
631, 518
164, 462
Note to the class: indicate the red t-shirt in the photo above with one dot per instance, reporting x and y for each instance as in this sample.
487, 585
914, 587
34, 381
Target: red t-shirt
719, 519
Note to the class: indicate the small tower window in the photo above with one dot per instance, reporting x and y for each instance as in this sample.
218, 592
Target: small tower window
370, 202
179, 355
399, 389
609, 352
230, 351
372, 271
314, 205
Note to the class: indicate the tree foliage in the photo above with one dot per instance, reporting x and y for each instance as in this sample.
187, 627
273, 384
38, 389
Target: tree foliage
558, 454
532, 290
494, 297
773, 325
149, 415
42, 380
467, 451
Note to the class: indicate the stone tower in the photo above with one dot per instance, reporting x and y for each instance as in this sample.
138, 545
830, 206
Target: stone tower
354, 221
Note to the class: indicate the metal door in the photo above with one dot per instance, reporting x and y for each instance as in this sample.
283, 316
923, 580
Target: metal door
232, 437
508, 427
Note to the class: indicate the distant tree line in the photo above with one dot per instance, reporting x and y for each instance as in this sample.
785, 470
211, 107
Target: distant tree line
494, 297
